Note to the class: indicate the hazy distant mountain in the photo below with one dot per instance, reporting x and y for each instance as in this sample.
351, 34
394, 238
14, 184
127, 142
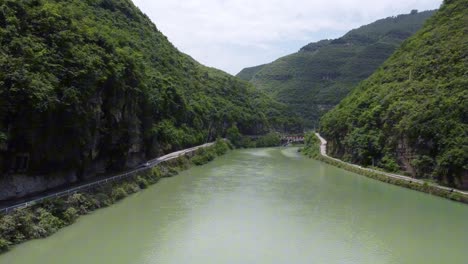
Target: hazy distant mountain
321, 74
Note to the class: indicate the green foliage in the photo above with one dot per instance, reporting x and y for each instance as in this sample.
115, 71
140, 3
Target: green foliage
9, 229
234, 136
118, 194
380, 176
46, 218
413, 107
70, 215
130, 187
103, 198
4, 245
248, 73
47, 223
203, 156
27, 224
312, 145
272, 139
221, 147
81, 201
179, 164
155, 174
389, 164
423, 165
79, 78
315, 79
268, 140
142, 182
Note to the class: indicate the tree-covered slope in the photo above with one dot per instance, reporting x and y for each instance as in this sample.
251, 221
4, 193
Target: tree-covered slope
248, 73
321, 74
412, 113
92, 86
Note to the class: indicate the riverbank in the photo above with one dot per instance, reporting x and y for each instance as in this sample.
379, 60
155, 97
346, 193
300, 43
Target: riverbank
241, 207
47, 217
316, 147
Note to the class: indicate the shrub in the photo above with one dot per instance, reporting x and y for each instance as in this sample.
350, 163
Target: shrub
56, 206
82, 202
130, 187
388, 163
118, 194
25, 224
269, 140
181, 163
8, 229
220, 147
455, 196
312, 146
246, 142
234, 136
4, 245
172, 172
156, 173
203, 156
53, 214
142, 182
70, 215
47, 222
103, 199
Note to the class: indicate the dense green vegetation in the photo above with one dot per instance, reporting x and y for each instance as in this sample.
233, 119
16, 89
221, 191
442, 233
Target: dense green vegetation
48, 217
45, 219
321, 74
205, 155
411, 114
93, 86
312, 146
248, 73
271, 139
312, 150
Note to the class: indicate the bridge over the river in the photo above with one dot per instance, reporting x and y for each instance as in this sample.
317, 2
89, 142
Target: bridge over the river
289, 139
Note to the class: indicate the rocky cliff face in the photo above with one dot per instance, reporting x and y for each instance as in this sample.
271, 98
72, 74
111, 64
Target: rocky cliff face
17, 186
92, 87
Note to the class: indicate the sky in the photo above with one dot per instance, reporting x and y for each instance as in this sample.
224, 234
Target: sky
233, 34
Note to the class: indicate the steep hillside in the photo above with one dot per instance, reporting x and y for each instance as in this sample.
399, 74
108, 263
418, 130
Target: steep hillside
248, 73
321, 74
412, 113
89, 87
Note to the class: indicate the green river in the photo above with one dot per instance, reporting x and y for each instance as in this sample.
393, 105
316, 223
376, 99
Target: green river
262, 206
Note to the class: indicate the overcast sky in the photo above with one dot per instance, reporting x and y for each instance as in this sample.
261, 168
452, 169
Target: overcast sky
234, 34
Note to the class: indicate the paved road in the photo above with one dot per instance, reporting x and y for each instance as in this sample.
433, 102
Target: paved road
323, 152
7, 206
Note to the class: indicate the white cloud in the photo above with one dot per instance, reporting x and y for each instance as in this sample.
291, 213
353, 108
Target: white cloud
233, 34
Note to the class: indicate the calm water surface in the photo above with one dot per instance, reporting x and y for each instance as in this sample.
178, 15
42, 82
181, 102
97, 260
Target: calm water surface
262, 206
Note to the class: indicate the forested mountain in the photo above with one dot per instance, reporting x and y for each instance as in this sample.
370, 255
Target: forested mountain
92, 86
321, 74
248, 73
412, 113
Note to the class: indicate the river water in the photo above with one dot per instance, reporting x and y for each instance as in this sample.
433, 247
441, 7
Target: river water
262, 206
